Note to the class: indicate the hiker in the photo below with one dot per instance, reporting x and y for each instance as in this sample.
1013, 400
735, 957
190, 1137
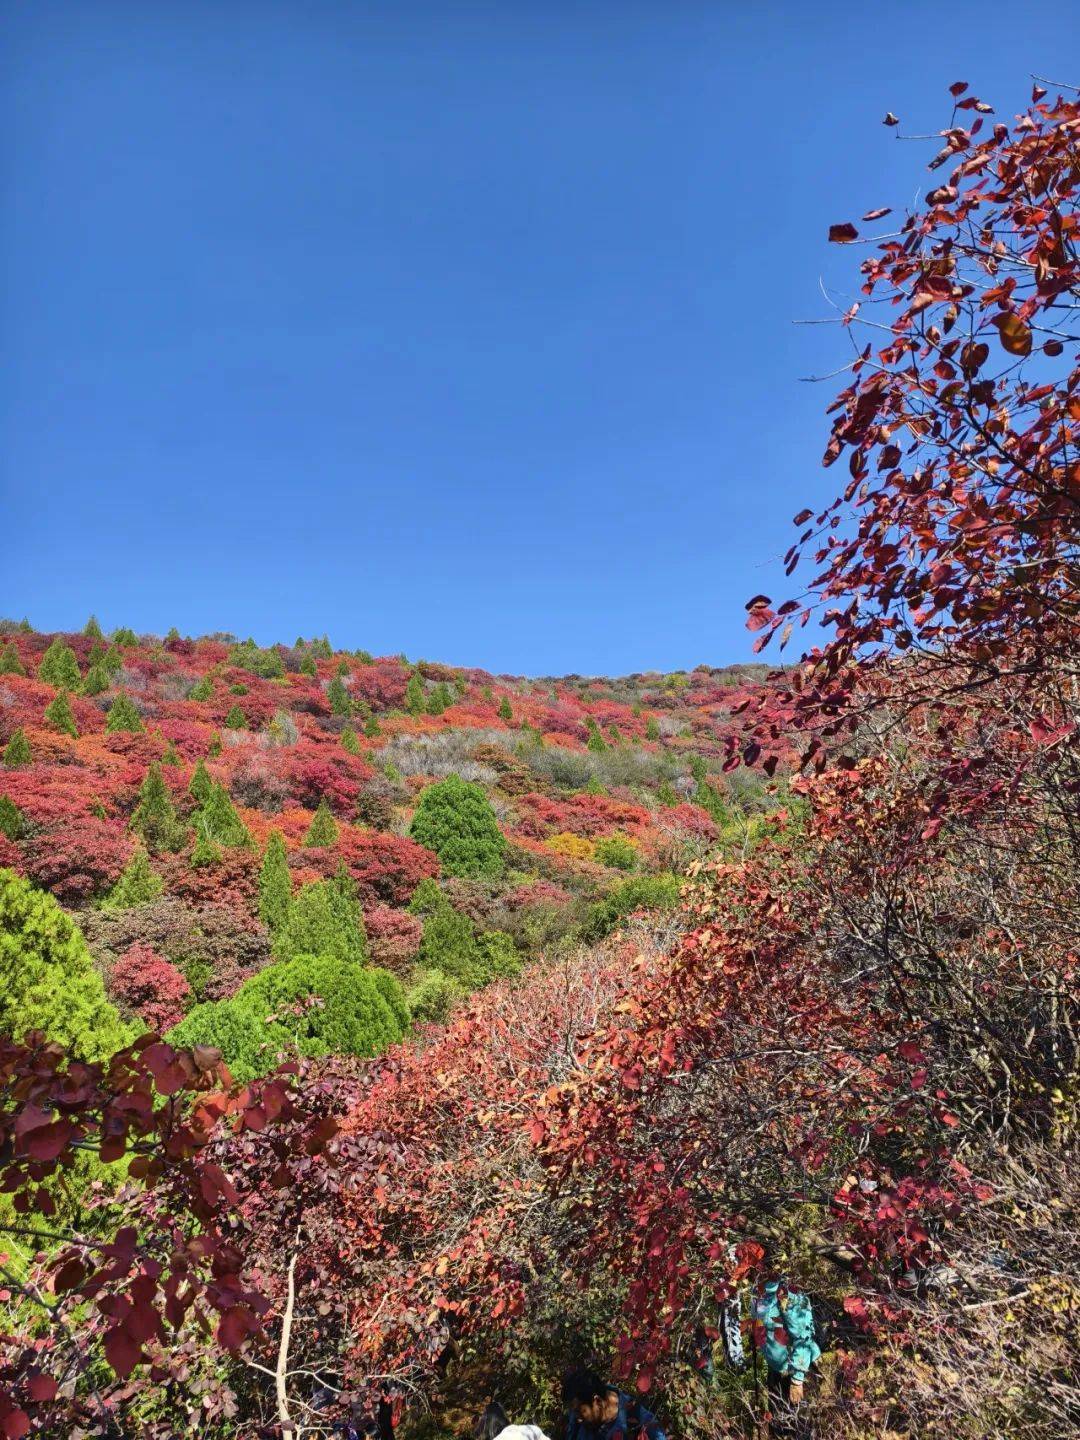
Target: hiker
785, 1336
494, 1425
598, 1411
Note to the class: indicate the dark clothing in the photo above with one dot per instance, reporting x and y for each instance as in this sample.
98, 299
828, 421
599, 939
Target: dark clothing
633, 1422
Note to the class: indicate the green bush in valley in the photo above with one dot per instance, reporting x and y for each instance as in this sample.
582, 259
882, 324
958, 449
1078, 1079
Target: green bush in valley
338, 696
498, 954
433, 997
427, 898
449, 944
617, 851
138, 884
324, 918
59, 667
643, 892
123, 716
275, 884
454, 819
59, 716
323, 829
47, 979
155, 817
17, 751
311, 1005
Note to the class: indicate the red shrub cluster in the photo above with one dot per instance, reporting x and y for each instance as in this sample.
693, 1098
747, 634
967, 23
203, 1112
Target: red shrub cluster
144, 983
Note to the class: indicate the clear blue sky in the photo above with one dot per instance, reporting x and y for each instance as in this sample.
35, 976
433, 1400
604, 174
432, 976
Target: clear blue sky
454, 328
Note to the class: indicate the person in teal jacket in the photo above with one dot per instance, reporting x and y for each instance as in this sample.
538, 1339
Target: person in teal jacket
785, 1336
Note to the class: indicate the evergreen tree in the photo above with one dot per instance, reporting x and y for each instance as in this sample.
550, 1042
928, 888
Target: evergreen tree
414, 695
343, 668
58, 715
440, 699
372, 727
338, 696
11, 818
275, 883
365, 657
236, 719
171, 756
47, 979
59, 667
113, 661
596, 742
97, 681
173, 636
308, 666
323, 829
155, 817
594, 787
349, 743
10, 664
17, 752
138, 885
200, 784
92, 630
202, 690
123, 717
217, 821
125, 636
505, 712
204, 852
456, 821
214, 748
323, 919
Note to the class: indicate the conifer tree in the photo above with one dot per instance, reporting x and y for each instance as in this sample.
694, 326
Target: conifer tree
308, 666
124, 635
505, 712
440, 699
59, 667
138, 885
96, 682
218, 822
17, 752
155, 817
349, 743
92, 630
596, 742
275, 884
213, 750
204, 852
236, 719
372, 727
202, 689
171, 756
10, 664
343, 668
455, 820
323, 829
58, 715
112, 660
11, 818
338, 696
200, 784
414, 695
123, 717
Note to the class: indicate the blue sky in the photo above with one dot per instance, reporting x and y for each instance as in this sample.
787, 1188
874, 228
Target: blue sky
463, 330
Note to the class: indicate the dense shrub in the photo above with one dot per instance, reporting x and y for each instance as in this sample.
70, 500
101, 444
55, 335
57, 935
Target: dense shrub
123, 717
324, 918
455, 820
47, 979
77, 860
146, 984
433, 997
275, 883
17, 750
644, 892
393, 937
617, 851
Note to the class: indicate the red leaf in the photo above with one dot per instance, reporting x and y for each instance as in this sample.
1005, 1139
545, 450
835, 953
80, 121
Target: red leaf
237, 1323
875, 215
15, 1424
843, 233
1014, 334
890, 119
41, 1387
958, 87
121, 1351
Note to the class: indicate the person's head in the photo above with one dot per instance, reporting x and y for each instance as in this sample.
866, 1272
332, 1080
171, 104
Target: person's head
492, 1423
586, 1395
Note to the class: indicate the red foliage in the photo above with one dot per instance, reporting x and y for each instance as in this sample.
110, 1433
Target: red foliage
77, 860
393, 936
386, 868
152, 987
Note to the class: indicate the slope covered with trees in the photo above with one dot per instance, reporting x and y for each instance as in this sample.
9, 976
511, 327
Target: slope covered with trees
849, 1057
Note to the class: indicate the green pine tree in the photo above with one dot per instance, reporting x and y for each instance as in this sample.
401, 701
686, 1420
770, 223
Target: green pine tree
11, 818
200, 784
218, 822
414, 695
113, 661
338, 696
17, 752
455, 820
138, 885
155, 817
236, 719
123, 717
58, 715
323, 829
308, 666
92, 630
213, 750
440, 699
204, 852
505, 712
324, 918
10, 664
349, 743
343, 668
125, 636
97, 681
59, 667
202, 690
275, 884
171, 756
372, 727
596, 742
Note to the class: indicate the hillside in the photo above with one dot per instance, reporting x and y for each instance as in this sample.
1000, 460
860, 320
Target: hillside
144, 778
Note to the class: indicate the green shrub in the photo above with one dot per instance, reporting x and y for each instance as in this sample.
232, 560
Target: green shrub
275, 883
236, 719
59, 667
456, 821
17, 751
217, 822
505, 711
643, 892
47, 978
123, 716
92, 630
433, 997
323, 829
58, 715
427, 898
11, 818
248, 1046
336, 693
324, 918
349, 742
155, 817
498, 954
10, 664
97, 681
617, 851
202, 689
200, 784
248, 656
139, 884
